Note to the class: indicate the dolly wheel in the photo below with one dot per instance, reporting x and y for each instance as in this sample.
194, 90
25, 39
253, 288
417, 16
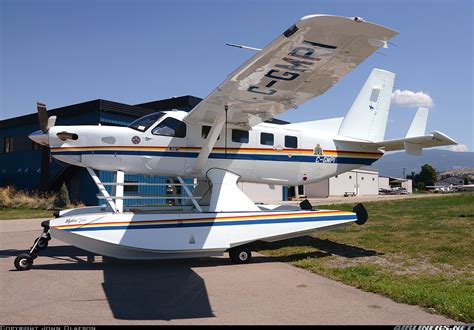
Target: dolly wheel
42, 243
23, 262
240, 255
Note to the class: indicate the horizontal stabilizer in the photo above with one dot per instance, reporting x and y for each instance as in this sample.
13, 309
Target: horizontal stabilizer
414, 145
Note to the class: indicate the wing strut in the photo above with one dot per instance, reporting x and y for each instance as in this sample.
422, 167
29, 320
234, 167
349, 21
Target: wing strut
210, 142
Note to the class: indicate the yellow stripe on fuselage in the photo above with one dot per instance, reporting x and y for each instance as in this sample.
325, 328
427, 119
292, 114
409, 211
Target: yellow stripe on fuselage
334, 153
199, 220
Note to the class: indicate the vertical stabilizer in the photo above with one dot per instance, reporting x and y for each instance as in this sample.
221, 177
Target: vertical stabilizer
418, 125
367, 118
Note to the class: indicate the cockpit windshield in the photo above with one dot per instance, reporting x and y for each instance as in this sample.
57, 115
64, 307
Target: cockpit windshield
143, 123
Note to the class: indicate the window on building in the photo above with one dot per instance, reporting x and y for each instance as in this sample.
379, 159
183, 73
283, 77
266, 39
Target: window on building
300, 190
205, 132
8, 145
350, 176
170, 127
266, 139
240, 136
133, 189
362, 178
291, 142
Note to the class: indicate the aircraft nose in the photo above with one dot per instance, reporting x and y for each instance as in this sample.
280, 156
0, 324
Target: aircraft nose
39, 137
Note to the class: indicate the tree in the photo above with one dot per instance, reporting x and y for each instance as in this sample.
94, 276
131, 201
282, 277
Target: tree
62, 199
420, 186
427, 175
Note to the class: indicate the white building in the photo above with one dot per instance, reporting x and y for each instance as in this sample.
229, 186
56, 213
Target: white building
359, 182
355, 182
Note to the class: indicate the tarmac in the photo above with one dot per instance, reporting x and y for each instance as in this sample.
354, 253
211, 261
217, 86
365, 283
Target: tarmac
65, 286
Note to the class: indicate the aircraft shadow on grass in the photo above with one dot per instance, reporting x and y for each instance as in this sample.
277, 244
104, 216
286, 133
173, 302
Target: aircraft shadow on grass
168, 289
321, 248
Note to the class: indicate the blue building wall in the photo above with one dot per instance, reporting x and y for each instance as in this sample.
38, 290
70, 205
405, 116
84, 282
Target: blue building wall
21, 168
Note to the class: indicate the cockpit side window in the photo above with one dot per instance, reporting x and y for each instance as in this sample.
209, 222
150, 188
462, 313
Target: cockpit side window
143, 123
170, 127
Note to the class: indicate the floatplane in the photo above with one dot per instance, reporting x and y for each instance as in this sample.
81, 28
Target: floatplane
227, 138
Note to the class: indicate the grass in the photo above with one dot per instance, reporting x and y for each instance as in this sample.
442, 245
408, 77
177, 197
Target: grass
17, 204
417, 251
24, 213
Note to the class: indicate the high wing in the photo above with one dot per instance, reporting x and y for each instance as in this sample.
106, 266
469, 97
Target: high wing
304, 62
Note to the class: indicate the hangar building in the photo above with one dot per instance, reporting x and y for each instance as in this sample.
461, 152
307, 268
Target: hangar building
356, 182
365, 181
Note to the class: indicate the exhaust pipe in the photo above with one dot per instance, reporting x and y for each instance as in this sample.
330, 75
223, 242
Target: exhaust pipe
63, 136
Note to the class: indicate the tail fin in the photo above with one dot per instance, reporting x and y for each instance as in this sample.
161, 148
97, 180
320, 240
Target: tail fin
367, 118
418, 125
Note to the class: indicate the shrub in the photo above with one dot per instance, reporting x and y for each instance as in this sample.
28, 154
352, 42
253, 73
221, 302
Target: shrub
12, 198
420, 185
62, 198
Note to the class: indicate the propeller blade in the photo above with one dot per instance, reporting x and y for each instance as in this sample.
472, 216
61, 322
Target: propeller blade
42, 116
51, 122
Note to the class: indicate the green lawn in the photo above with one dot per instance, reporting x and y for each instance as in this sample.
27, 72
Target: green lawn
24, 213
417, 251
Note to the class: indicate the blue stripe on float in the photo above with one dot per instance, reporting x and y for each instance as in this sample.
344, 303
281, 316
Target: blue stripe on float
181, 154
219, 223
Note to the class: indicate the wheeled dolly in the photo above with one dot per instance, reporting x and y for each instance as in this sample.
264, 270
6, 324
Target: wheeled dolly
24, 261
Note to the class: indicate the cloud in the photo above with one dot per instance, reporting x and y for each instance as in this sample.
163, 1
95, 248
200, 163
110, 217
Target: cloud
410, 99
459, 148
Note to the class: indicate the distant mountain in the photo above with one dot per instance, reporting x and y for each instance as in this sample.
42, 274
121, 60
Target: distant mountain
442, 160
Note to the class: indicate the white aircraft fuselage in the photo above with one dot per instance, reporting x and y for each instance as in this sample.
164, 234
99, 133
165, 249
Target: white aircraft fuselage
267, 153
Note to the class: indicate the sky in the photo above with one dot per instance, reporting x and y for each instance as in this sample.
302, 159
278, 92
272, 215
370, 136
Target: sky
133, 51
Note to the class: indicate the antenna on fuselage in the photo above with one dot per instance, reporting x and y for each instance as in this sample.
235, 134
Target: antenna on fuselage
244, 47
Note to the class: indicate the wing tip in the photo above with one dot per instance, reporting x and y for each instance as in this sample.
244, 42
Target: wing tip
438, 134
356, 19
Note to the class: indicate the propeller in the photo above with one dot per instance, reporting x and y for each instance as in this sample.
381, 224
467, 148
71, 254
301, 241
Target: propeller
44, 122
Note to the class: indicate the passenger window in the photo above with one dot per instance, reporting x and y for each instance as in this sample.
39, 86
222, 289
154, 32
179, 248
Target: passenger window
266, 139
205, 132
291, 142
171, 127
240, 136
